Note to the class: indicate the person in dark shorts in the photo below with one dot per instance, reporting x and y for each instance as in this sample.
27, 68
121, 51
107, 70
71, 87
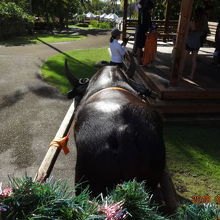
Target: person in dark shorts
193, 42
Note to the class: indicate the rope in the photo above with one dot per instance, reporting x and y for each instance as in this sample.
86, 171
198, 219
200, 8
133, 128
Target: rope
61, 143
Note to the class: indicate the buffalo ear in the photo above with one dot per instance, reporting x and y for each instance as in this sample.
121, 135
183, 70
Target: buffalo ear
131, 69
72, 79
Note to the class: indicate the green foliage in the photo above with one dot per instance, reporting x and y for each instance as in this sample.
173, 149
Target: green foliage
80, 18
11, 11
24, 4
160, 8
137, 201
34, 200
61, 9
100, 25
94, 23
55, 200
198, 212
104, 25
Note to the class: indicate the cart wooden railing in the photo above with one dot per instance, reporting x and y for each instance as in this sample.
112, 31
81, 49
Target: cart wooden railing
52, 154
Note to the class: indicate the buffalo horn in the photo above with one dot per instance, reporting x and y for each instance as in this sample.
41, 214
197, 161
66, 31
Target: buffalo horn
131, 69
73, 80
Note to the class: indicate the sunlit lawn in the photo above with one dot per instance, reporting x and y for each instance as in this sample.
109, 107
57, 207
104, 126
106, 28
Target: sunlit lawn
81, 63
33, 39
193, 151
75, 26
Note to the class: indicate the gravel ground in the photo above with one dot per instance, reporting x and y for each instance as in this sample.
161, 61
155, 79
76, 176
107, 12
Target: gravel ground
31, 111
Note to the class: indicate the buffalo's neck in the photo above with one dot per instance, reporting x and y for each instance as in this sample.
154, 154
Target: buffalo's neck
111, 85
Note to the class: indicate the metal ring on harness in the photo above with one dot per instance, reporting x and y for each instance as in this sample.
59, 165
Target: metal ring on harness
83, 81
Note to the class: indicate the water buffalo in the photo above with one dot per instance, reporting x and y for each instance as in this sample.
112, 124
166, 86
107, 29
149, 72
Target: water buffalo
118, 137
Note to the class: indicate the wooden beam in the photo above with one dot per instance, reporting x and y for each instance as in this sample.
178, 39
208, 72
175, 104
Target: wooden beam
182, 31
50, 158
125, 15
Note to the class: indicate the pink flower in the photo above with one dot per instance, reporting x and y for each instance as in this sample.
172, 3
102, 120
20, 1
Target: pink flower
113, 211
6, 192
2, 209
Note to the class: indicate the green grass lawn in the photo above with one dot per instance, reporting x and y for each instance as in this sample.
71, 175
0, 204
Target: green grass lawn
81, 63
87, 28
193, 155
193, 151
33, 39
75, 26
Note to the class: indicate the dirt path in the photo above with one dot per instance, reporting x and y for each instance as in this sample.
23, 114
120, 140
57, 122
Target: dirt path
31, 110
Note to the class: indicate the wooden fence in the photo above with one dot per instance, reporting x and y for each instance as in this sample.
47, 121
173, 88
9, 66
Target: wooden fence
166, 30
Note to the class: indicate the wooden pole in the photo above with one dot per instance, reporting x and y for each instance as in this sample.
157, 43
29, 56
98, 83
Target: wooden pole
125, 15
50, 158
167, 18
179, 48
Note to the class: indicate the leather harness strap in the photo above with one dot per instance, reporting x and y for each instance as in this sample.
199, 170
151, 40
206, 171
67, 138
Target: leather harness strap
109, 88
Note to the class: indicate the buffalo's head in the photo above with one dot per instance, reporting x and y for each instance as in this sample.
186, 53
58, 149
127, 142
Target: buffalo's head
79, 85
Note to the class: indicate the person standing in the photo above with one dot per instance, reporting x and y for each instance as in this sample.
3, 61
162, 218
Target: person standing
193, 42
144, 22
150, 48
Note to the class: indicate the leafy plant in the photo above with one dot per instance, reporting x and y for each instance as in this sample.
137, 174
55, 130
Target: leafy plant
80, 18
94, 23
35, 200
104, 25
11, 11
56, 200
198, 212
137, 201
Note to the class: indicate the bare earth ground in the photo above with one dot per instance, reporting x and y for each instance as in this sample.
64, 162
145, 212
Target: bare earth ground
31, 111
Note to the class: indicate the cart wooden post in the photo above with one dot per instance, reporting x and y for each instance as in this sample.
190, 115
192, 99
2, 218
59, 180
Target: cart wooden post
179, 48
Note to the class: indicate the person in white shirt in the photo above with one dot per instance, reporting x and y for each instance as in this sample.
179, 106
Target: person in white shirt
117, 50
117, 56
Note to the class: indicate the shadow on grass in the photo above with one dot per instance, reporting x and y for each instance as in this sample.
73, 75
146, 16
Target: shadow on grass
78, 69
19, 41
196, 147
85, 32
26, 40
33, 39
56, 49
